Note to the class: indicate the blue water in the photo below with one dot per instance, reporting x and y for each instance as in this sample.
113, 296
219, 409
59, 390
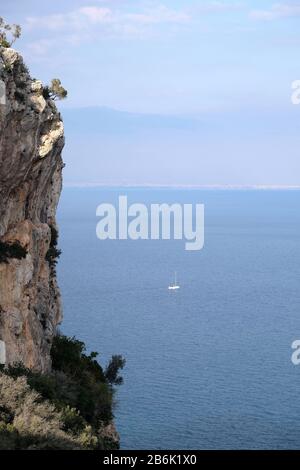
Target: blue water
209, 366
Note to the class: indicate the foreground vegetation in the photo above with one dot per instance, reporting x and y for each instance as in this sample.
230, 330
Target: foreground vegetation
69, 408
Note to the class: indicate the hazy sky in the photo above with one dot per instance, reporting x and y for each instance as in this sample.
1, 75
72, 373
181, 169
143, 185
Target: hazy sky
227, 64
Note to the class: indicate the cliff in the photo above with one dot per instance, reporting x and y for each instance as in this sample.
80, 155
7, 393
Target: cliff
53, 395
31, 142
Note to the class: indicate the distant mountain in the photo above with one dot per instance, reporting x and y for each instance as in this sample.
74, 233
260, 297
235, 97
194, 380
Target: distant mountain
233, 147
107, 120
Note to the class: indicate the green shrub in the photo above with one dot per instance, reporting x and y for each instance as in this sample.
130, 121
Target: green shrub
77, 391
8, 33
52, 256
116, 364
46, 93
36, 424
20, 97
72, 421
9, 437
55, 90
5, 415
68, 355
11, 250
93, 396
53, 252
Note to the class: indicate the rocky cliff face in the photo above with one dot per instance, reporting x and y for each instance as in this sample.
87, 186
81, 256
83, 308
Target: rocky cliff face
31, 142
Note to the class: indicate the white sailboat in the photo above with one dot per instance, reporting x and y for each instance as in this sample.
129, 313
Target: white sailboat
174, 286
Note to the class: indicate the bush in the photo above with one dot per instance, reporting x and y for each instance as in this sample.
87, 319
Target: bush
9, 437
53, 252
116, 364
72, 421
11, 250
36, 424
20, 97
6, 30
55, 91
46, 93
78, 392
93, 397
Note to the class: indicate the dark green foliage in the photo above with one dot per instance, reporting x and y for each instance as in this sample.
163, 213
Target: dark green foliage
54, 236
72, 421
46, 93
15, 371
9, 437
4, 42
9, 33
53, 252
11, 250
68, 355
78, 388
116, 364
22, 85
52, 256
55, 90
93, 397
33, 423
20, 97
5, 415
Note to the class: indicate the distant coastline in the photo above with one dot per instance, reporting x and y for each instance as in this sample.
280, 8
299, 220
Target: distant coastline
182, 186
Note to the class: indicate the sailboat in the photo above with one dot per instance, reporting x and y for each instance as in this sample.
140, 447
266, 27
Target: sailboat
174, 286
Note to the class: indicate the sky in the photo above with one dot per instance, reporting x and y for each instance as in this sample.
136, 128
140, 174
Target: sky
183, 92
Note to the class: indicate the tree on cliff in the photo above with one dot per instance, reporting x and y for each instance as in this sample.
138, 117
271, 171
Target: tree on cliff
9, 33
55, 91
116, 364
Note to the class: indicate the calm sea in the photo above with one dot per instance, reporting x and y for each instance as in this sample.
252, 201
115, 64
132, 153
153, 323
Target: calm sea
208, 366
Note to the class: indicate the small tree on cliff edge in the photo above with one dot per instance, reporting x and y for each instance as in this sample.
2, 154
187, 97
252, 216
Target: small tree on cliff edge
55, 91
9, 33
111, 373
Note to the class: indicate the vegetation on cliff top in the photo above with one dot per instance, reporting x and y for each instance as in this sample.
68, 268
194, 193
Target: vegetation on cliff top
55, 90
9, 33
69, 408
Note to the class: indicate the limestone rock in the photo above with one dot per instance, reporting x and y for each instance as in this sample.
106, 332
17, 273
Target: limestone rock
31, 142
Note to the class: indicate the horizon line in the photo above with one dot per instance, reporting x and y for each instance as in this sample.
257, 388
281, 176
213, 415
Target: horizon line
258, 187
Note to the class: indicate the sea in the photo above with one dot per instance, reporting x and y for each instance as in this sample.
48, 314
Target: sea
208, 366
